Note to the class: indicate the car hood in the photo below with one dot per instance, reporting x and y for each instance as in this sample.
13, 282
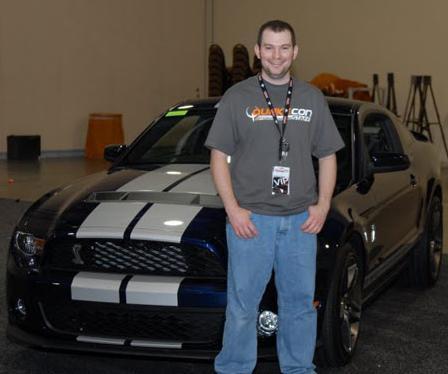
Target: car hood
172, 203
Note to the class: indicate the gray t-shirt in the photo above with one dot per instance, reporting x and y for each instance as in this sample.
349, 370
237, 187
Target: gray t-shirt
244, 128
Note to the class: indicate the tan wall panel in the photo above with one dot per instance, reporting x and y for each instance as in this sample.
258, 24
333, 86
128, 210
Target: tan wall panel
351, 38
61, 60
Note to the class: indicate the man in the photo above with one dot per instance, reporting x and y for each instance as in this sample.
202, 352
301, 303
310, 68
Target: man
269, 194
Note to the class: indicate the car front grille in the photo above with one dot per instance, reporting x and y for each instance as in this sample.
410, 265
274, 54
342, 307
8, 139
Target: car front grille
123, 321
134, 256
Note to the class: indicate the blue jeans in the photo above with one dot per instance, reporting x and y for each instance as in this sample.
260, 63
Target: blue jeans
280, 245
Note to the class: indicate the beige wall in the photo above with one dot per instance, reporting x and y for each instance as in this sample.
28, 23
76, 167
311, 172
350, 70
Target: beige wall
351, 38
63, 59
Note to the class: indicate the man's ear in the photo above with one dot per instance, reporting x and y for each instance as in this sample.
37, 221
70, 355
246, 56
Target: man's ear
257, 50
296, 51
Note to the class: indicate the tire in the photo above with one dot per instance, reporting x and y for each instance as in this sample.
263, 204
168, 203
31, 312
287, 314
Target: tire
342, 313
426, 257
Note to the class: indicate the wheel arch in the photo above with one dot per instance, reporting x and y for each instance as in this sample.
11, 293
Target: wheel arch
432, 188
357, 243
438, 191
338, 232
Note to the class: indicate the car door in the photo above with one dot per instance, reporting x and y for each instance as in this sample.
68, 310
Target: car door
396, 192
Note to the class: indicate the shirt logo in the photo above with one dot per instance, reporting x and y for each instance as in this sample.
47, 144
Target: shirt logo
264, 114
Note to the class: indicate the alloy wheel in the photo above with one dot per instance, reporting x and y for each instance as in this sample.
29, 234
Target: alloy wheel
350, 304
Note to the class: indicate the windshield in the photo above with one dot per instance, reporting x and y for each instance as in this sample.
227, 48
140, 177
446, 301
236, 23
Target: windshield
175, 140
180, 139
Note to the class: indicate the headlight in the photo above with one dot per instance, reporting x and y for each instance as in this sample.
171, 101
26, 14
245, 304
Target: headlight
27, 249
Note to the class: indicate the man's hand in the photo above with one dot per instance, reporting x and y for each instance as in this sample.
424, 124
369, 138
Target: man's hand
327, 179
241, 223
316, 219
239, 217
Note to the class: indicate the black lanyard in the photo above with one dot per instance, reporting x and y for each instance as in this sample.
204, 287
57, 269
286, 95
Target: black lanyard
284, 145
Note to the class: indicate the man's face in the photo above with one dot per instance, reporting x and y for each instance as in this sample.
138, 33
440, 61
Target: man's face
277, 54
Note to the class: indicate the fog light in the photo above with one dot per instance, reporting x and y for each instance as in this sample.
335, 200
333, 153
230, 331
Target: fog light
20, 307
267, 323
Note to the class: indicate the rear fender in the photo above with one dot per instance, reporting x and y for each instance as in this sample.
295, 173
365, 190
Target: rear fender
432, 187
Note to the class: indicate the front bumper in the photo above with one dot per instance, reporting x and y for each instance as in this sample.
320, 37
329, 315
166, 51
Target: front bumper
53, 320
34, 340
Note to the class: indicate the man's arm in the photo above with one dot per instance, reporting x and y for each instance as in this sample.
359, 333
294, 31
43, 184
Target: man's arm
327, 181
239, 217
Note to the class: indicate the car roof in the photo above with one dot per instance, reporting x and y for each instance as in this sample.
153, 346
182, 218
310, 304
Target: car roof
337, 104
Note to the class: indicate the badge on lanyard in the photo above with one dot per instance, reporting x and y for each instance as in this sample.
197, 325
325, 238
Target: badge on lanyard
280, 180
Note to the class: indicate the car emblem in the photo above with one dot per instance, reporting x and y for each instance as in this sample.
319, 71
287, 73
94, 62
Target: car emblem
77, 259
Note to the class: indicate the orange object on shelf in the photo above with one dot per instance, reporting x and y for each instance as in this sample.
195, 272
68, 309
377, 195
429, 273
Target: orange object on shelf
332, 85
104, 129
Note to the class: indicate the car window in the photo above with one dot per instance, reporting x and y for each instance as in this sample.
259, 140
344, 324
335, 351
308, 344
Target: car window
178, 139
406, 137
380, 135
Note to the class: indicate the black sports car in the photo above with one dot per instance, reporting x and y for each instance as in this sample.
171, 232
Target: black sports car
133, 260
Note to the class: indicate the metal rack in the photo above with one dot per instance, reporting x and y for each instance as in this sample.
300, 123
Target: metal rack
416, 111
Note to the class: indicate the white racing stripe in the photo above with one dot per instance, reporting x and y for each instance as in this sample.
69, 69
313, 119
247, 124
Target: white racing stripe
159, 179
99, 287
140, 290
110, 219
153, 290
155, 344
165, 222
201, 183
133, 343
100, 340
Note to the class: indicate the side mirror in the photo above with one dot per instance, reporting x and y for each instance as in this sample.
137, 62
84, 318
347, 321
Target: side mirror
113, 151
388, 162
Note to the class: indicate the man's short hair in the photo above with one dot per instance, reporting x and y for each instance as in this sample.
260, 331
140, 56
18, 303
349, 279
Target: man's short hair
276, 26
